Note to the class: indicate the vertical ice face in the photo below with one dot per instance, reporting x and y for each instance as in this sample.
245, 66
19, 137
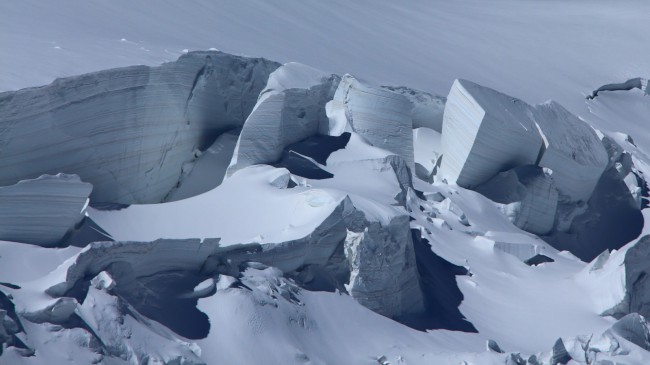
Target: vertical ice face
383, 274
572, 150
485, 132
290, 109
381, 117
128, 131
41, 211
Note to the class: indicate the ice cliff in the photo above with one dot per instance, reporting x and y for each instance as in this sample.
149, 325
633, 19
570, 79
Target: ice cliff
486, 132
127, 131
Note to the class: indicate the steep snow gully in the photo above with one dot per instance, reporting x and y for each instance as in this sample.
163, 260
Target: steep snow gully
178, 214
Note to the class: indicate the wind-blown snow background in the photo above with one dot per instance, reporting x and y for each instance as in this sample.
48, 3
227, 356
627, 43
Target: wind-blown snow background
534, 50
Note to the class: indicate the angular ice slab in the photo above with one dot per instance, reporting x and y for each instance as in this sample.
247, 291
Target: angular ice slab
486, 132
526, 195
290, 108
636, 281
128, 131
381, 117
571, 149
377, 258
383, 273
41, 211
208, 170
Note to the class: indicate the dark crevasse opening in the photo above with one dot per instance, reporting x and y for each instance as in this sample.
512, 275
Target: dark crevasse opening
320, 147
158, 298
297, 157
88, 231
302, 166
441, 293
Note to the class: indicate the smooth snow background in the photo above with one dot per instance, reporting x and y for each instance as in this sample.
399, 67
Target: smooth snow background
533, 49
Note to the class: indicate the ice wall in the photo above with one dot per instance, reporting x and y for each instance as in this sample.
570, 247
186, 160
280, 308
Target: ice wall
486, 132
381, 117
128, 130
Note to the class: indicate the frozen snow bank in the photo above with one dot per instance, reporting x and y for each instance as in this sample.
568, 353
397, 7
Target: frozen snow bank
41, 211
128, 131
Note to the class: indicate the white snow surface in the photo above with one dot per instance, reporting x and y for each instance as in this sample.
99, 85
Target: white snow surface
245, 208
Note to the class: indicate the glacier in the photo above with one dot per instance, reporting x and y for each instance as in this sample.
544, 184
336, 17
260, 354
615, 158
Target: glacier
305, 217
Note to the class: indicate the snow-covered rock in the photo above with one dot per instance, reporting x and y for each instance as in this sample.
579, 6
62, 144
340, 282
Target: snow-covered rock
290, 108
42, 211
128, 131
381, 117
